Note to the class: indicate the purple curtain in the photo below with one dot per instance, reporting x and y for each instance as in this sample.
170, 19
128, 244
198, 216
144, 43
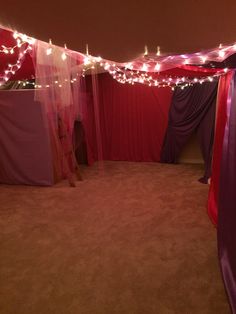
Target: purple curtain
227, 200
25, 150
191, 110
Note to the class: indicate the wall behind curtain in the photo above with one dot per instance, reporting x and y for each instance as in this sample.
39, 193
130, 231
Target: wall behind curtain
133, 120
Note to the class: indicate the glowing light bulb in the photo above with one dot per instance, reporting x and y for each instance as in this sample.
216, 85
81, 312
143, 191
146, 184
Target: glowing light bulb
204, 58
24, 37
32, 40
107, 66
48, 51
157, 67
63, 56
87, 61
129, 66
144, 67
221, 54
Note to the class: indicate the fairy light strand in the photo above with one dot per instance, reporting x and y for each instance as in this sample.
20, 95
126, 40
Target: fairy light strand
21, 41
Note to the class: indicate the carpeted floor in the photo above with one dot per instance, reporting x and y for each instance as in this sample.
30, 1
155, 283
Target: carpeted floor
134, 239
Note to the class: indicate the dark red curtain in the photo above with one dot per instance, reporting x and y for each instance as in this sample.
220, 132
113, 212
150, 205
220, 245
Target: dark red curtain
221, 116
227, 199
192, 110
133, 120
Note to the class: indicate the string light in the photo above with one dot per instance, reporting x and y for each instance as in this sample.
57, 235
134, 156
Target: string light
64, 56
140, 69
221, 53
145, 70
21, 40
37, 86
203, 58
157, 67
49, 50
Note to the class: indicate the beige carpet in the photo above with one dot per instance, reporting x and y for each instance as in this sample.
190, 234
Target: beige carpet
134, 239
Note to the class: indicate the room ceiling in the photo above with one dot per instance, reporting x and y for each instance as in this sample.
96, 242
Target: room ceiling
118, 30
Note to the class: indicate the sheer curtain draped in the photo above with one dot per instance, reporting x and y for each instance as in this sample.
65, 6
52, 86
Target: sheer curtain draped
57, 88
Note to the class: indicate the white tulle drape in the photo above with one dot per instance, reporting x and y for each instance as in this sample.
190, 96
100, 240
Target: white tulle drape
58, 87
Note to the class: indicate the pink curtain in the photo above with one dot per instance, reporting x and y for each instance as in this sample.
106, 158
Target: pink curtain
133, 120
221, 119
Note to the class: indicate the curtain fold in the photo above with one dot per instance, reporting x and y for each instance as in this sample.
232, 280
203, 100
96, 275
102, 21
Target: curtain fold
227, 199
58, 86
133, 120
192, 109
222, 97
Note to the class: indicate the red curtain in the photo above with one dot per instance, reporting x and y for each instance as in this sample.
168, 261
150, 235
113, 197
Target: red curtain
221, 118
133, 120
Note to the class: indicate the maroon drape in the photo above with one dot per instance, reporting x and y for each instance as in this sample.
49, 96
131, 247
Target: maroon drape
223, 89
133, 120
192, 109
227, 199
